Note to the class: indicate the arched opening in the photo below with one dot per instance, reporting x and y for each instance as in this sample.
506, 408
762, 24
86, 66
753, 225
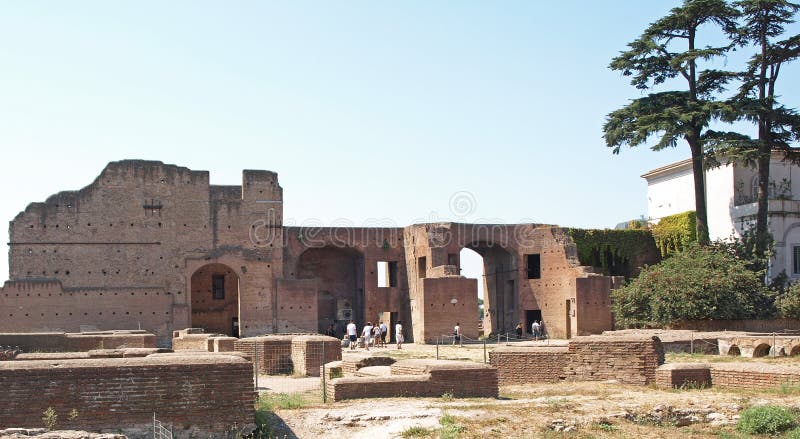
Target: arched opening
761, 350
795, 351
340, 285
734, 351
215, 299
495, 269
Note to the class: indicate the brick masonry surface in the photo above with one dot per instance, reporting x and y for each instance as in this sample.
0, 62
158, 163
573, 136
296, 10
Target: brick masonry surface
521, 365
420, 378
206, 394
753, 376
77, 342
627, 359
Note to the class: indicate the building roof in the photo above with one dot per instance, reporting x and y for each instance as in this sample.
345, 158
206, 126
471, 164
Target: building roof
668, 169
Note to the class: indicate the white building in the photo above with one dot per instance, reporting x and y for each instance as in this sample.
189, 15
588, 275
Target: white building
731, 192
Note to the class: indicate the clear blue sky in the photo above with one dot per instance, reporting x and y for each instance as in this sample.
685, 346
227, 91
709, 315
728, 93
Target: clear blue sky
365, 109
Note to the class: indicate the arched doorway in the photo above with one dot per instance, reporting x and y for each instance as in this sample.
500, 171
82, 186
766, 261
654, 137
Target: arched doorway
215, 299
499, 281
340, 285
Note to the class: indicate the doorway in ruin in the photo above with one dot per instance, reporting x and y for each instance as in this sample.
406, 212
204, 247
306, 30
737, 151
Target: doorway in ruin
340, 285
215, 299
495, 269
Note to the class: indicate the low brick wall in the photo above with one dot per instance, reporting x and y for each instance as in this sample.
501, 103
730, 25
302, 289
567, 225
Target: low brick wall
683, 375
78, 342
752, 376
307, 353
521, 365
420, 378
629, 360
352, 364
200, 394
272, 353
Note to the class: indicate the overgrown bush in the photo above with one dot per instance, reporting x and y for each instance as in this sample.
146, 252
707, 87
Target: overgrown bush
695, 284
790, 302
766, 419
674, 233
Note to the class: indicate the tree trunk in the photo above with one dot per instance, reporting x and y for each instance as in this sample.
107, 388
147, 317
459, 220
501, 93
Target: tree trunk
764, 148
699, 192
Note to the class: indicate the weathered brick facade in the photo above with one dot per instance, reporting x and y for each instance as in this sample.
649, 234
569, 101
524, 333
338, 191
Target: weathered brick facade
211, 393
520, 365
155, 246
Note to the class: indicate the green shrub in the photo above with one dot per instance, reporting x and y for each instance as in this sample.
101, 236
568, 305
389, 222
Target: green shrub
675, 232
766, 419
696, 284
792, 434
790, 302
415, 431
450, 428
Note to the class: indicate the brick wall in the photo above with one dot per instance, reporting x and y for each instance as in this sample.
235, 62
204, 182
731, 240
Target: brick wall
209, 392
307, 353
272, 353
682, 375
420, 378
630, 360
520, 365
77, 342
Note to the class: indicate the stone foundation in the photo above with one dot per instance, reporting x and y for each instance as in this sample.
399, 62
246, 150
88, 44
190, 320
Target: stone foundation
78, 341
522, 365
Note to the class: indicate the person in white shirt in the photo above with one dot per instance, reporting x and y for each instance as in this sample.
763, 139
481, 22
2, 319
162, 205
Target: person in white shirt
367, 334
535, 329
457, 334
398, 334
384, 330
376, 336
352, 334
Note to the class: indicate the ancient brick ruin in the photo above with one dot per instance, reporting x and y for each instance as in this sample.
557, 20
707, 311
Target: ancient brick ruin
157, 247
626, 359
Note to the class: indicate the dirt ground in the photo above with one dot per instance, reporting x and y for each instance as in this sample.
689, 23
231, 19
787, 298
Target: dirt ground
572, 410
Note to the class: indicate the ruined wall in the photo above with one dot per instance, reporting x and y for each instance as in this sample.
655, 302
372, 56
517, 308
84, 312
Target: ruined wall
77, 342
752, 376
312, 351
593, 305
420, 378
272, 354
445, 301
134, 248
629, 360
523, 365
209, 392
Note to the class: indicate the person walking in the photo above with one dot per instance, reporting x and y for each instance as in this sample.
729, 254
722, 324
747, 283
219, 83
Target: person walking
519, 330
535, 329
377, 340
457, 334
384, 331
367, 334
352, 334
398, 334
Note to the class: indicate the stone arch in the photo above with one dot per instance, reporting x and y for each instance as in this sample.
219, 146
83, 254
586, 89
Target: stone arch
215, 299
795, 351
734, 351
762, 350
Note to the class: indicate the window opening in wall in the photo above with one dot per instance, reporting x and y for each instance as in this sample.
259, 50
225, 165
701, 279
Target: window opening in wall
392, 273
796, 259
534, 264
422, 267
383, 268
218, 287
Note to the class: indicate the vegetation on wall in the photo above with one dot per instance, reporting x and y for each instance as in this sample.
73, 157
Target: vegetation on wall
697, 283
675, 232
613, 251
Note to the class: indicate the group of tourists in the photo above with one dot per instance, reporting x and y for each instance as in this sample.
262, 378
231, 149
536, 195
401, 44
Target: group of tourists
375, 336
537, 329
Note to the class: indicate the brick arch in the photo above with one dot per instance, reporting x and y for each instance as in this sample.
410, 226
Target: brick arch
734, 351
215, 299
500, 289
795, 351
